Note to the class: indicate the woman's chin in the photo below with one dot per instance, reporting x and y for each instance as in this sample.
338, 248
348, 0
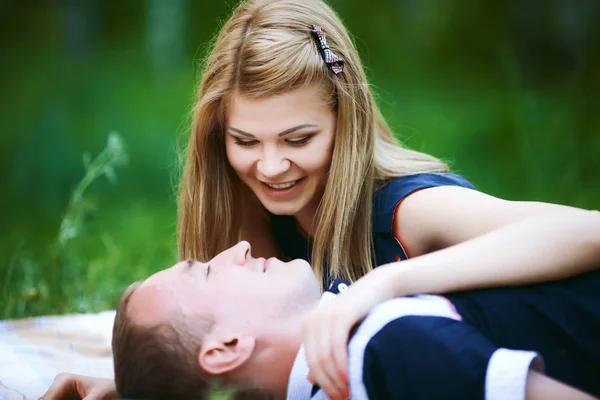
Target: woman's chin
281, 209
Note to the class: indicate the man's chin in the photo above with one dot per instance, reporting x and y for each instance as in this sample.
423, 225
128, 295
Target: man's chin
312, 286
300, 263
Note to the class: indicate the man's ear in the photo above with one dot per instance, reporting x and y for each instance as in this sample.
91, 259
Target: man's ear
220, 355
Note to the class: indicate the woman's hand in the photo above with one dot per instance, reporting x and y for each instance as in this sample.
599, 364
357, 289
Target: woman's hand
326, 331
68, 386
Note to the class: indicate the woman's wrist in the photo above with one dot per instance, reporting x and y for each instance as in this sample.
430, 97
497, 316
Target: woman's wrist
388, 281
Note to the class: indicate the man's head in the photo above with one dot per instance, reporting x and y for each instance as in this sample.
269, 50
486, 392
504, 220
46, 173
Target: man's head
235, 318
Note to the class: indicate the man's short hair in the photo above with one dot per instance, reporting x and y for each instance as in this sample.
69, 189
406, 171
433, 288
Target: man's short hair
158, 362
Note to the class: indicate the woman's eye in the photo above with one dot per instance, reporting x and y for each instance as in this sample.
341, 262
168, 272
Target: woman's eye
299, 142
245, 143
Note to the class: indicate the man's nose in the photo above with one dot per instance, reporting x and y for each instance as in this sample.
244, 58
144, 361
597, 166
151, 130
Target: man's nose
272, 164
241, 251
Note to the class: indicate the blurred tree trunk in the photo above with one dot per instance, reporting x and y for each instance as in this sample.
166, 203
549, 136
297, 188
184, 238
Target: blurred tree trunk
551, 39
166, 36
81, 26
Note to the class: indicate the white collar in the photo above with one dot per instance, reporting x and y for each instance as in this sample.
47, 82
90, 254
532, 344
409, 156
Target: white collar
300, 388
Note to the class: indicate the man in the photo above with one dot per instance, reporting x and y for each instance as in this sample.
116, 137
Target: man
236, 321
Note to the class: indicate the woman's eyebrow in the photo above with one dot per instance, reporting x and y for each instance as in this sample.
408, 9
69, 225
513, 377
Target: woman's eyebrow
287, 131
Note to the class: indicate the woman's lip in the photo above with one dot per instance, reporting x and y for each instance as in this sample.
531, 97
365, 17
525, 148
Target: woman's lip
282, 194
280, 183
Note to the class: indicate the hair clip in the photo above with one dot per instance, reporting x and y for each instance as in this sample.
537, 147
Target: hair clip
334, 63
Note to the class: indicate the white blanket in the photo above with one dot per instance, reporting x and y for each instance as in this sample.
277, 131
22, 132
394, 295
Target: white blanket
34, 350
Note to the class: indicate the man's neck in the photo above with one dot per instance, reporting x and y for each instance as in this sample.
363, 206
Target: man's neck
277, 359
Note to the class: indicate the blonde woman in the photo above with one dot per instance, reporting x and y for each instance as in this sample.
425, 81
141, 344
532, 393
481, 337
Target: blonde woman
289, 151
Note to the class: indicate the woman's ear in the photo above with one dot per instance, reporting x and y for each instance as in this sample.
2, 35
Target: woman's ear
221, 355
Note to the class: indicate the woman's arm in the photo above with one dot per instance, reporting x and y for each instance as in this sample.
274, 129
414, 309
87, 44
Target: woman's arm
487, 242
484, 242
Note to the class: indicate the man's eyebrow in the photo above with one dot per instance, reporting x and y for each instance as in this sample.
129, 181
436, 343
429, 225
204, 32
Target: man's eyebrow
189, 264
287, 131
187, 268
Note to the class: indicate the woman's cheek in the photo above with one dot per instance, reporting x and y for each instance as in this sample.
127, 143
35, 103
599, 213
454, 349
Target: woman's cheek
241, 162
234, 156
316, 160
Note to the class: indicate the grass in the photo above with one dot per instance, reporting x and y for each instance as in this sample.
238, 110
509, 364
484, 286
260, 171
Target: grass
97, 251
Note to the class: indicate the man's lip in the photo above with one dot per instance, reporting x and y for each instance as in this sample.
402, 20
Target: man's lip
266, 265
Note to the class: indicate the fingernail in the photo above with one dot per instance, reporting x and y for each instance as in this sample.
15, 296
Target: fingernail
344, 376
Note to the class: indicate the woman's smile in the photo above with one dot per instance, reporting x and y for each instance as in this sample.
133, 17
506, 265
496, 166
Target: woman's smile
282, 191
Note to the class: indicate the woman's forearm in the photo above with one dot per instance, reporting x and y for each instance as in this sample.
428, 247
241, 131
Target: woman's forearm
536, 249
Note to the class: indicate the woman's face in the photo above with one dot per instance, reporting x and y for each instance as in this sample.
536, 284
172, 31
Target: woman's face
281, 147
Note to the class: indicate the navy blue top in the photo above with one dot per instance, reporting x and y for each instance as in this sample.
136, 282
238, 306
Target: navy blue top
385, 200
293, 245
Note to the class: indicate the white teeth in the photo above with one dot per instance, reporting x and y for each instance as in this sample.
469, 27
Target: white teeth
282, 185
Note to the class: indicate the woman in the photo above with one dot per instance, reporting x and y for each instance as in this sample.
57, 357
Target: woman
289, 151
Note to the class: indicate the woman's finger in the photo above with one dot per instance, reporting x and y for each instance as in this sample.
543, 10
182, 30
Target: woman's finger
319, 356
340, 335
336, 364
336, 385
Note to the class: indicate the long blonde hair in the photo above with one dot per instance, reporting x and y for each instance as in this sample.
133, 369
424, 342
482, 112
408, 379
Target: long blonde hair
265, 49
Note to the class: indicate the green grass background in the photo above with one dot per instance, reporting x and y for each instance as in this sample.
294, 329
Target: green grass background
508, 92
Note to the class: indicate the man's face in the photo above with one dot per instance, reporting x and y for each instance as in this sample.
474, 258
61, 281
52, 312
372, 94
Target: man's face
233, 287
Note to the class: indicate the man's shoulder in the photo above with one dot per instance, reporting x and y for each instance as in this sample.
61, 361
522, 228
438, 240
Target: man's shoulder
384, 313
381, 339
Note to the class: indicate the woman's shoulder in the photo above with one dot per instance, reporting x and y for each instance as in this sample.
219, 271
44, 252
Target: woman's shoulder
397, 188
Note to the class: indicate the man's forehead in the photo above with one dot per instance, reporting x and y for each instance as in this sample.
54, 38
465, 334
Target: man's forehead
159, 296
160, 276
149, 305
172, 274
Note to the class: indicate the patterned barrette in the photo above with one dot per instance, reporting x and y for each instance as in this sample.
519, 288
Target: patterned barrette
334, 63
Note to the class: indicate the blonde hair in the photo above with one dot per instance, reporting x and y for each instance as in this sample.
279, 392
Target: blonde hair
265, 49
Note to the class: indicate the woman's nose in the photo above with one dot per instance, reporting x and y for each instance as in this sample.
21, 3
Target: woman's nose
272, 164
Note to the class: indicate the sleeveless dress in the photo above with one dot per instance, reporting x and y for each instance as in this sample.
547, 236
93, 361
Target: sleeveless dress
387, 249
